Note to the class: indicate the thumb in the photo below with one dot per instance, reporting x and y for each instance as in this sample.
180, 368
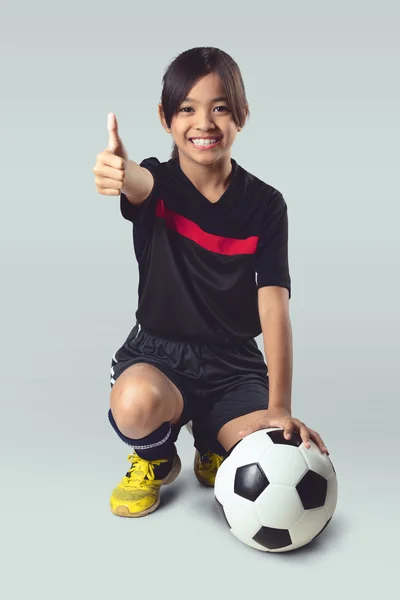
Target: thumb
114, 141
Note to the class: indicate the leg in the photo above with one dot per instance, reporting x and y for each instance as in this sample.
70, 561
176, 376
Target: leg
142, 398
147, 378
235, 411
228, 434
146, 405
237, 380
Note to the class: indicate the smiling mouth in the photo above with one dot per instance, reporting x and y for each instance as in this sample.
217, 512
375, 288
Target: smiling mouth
206, 144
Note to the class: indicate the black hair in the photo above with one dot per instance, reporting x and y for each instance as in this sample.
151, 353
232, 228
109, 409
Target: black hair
190, 66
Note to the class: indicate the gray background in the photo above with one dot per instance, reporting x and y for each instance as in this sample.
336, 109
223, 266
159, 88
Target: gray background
323, 87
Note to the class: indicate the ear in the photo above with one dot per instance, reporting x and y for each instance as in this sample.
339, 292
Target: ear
162, 118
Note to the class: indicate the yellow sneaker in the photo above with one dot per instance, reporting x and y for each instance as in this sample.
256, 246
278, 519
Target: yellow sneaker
206, 466
138, 494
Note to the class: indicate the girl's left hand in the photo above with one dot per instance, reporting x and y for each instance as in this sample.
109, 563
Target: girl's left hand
280, 417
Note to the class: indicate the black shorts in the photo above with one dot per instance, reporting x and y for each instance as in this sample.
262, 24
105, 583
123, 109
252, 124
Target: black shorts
218, 382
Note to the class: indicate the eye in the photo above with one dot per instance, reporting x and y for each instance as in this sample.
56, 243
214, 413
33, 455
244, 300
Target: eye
190, 108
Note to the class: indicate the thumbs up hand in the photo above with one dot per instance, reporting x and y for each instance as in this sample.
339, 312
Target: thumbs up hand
110, 164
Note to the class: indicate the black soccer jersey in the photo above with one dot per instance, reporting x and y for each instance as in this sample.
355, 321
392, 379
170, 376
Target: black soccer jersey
201, 263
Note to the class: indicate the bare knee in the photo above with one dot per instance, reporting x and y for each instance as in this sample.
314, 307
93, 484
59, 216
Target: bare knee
139, 401
136, 408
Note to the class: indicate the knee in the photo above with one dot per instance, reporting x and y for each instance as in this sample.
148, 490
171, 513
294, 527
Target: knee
136, 406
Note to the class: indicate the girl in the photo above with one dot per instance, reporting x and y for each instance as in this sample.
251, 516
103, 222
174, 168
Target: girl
211, 241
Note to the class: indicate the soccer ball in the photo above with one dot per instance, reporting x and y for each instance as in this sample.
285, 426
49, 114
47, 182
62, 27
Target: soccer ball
275, 494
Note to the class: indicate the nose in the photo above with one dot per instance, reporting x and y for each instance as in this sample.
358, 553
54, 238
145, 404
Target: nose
204, 121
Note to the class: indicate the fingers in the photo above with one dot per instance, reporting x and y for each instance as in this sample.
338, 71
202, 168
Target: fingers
105, 174
318, 440
289, 425
107, 163
305, 433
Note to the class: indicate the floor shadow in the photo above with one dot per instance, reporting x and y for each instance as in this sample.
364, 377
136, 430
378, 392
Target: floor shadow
335, 532
169, 493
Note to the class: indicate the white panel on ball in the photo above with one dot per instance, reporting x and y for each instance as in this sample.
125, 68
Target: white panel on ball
315, 518
255, 441
283, 464
317, 460
331, 495
279, 506
242, 516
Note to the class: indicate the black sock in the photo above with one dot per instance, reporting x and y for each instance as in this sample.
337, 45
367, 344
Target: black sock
158, 444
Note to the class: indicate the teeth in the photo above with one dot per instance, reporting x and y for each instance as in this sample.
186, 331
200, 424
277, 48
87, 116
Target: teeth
204, 142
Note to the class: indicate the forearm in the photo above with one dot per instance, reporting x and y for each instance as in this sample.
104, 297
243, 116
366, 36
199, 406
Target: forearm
138, 182
278, 347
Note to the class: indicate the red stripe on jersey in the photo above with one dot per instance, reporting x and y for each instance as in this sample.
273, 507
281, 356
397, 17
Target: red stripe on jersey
209, 241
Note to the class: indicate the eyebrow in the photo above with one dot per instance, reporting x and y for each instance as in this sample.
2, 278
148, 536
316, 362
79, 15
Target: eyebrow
213, 100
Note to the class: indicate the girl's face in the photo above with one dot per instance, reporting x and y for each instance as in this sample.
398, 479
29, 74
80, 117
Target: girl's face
205, 114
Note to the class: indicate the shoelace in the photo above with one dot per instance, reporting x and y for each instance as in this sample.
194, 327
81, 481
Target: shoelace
142, 469
213, 461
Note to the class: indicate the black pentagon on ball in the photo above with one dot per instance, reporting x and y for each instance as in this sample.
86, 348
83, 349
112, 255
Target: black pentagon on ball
271, 538
277, 437
250, 481
312, 490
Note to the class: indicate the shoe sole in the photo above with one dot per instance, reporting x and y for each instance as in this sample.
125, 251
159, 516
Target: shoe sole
123, 511
198, 477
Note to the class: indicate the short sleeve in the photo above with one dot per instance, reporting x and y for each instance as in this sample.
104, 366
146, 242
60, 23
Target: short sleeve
135, 213
272, 263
